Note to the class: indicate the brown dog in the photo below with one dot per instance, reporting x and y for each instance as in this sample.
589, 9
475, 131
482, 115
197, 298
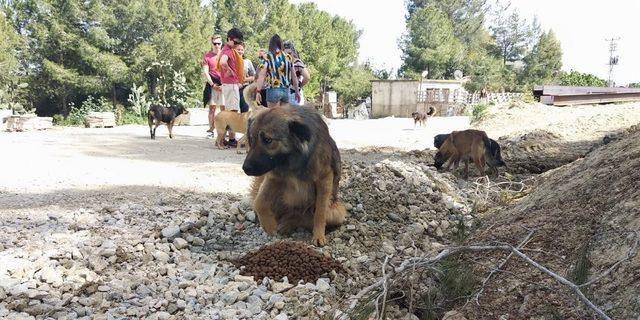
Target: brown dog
468, 145
297, 168
236, 122
421, 118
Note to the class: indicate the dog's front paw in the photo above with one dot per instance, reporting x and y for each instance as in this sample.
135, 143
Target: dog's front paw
319, 240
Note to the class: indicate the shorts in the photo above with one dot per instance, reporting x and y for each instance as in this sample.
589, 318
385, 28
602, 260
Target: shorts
275, 95
231, 93
292, 99
216, 98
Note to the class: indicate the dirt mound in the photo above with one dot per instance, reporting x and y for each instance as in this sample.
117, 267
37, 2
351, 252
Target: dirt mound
584, 218
540, 151
294, 260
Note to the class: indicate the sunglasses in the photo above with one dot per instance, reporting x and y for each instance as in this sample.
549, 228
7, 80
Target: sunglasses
217, 43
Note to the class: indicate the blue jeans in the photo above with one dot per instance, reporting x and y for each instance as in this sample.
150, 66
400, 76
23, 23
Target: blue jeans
275, 95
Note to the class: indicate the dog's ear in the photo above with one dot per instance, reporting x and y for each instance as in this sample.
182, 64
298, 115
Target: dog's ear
300, 130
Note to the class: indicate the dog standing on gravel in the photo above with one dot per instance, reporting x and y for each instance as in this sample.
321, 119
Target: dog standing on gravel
158, 115
236, 122
297, 168
468, 145
421, 118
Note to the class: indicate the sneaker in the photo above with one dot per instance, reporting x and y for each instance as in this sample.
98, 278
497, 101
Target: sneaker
210, 130
211, 136
232, 143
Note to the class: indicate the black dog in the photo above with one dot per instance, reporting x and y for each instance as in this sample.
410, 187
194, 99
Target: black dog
167, 115
494, 156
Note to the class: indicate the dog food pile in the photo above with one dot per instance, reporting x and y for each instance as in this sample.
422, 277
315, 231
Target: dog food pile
295, 260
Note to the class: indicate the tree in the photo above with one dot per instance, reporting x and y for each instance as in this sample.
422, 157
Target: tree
354, 83
430, 44
543, 63
511, 34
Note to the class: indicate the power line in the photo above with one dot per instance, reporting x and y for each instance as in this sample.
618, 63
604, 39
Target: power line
613, 59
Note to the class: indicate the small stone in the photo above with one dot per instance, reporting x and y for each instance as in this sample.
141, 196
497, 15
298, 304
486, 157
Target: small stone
351, 227
388, 248
278, 287
250, 215
171, 231
230, 297
279, 305
362, 259
282, 316
394, 217
103, 288
180, 243
241, 278
439, 232
162, 315
181, 304
51, 276
161, 256
444, 224
323, 285
199, 242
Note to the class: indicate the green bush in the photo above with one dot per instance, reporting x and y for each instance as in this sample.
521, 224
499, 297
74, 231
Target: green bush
132, 118
575, 78
479, 111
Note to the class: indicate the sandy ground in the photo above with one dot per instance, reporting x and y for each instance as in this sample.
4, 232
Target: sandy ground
79, 158
573, 123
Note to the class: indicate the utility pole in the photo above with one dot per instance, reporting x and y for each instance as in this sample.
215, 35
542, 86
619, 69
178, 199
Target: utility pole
613, 59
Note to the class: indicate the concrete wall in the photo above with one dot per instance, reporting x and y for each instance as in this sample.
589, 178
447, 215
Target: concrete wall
393, 98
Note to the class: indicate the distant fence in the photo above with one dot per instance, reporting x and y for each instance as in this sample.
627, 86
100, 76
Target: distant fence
438, 95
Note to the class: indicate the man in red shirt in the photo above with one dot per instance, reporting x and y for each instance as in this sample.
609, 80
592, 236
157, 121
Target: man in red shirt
212, 94
232, 74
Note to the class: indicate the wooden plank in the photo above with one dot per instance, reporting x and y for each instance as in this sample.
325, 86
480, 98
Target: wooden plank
572, 91
593, 99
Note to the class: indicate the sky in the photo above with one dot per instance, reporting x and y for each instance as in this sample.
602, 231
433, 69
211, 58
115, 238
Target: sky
580, 26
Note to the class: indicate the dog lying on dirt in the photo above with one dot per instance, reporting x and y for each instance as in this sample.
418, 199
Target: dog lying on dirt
158, 115
468, 145
421, 118
236, 122
297, 168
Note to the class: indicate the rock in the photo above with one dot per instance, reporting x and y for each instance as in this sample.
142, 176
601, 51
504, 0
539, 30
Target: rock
282, 316
444, 224
180, 243
103, 288
416, 229
394, 217
323, 285
250, 215
439, 232
162, 315
279, 305
362, 259
181, 304
387, 248
453, 315
51, 276
38, 309
199, 242
278, 287
351, 227
230, 297
171, 231
241, 278
161, 256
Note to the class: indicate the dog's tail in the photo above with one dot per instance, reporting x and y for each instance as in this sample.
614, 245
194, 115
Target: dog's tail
432, 110
249, 94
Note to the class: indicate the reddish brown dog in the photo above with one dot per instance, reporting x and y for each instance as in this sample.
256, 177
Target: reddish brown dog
468, 145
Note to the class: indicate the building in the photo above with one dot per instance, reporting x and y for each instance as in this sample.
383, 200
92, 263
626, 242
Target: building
402, 97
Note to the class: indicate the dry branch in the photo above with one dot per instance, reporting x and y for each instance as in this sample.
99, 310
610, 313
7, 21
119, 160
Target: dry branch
417, 262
